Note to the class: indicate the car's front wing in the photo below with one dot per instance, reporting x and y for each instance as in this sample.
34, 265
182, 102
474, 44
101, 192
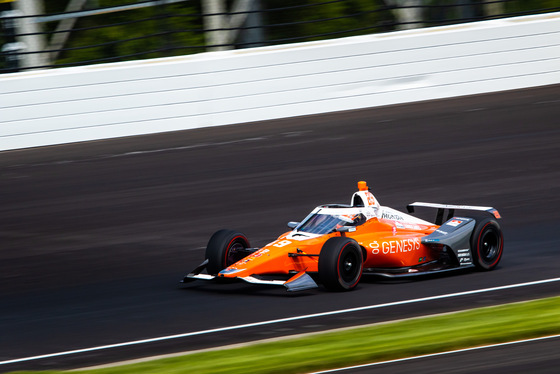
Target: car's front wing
299, 282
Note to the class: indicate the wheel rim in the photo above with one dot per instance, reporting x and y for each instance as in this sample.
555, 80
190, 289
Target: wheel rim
234, 253
490, 246
349, 267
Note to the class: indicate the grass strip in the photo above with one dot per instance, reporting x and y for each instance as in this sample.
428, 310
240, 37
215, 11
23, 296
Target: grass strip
365, 344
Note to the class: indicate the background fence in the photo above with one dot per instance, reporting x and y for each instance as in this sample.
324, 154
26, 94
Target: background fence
55, 106
59, 33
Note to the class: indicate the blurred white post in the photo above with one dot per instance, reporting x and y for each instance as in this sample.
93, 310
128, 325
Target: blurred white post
221, 30
493, 9
33, 43
408, 13
215, 20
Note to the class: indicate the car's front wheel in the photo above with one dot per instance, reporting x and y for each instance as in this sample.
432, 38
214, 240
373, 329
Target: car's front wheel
225, 248
340, 264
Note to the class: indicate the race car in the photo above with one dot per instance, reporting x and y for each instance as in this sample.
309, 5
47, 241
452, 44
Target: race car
337, 243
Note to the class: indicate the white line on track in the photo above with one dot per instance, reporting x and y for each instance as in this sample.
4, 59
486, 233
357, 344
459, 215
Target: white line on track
280, 320
437, 354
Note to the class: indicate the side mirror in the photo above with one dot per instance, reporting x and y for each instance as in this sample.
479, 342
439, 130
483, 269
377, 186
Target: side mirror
346, 229
293, 225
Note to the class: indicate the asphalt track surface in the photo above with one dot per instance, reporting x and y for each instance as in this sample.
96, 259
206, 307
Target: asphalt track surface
95, 236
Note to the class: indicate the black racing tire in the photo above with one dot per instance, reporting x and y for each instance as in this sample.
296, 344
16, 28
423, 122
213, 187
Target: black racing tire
487, 244
223, 250
340, 264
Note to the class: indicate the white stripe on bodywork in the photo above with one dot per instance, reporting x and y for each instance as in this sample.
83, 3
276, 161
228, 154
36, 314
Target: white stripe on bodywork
201, 276
254, 280
451, 206
385, 210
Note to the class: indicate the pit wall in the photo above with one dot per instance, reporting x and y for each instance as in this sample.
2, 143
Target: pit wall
57, 106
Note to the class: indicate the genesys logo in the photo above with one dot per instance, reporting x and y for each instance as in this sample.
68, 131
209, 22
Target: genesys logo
394, 246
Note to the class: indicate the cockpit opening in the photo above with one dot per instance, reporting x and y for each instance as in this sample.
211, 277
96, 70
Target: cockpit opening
328, 220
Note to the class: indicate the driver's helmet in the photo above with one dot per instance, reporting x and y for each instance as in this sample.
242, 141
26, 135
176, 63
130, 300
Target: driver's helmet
364, 198
351, 219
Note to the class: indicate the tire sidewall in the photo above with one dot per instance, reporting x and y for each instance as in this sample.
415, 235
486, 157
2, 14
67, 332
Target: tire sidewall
487, 229
218, 247
334, 253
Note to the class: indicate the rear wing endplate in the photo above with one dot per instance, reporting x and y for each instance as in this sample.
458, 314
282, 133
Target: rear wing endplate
451, 210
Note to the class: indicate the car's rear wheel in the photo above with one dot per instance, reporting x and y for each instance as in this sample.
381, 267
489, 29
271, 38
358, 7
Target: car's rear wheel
225, 248
487, 244
340, 264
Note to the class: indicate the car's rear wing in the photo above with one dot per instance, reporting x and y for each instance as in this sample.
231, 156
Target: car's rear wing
451, 210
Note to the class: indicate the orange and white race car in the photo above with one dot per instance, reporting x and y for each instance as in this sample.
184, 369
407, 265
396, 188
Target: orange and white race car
335, 244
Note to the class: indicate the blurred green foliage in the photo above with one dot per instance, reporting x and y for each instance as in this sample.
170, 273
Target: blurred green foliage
178, 28
295, 20
150, 32
449, 11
